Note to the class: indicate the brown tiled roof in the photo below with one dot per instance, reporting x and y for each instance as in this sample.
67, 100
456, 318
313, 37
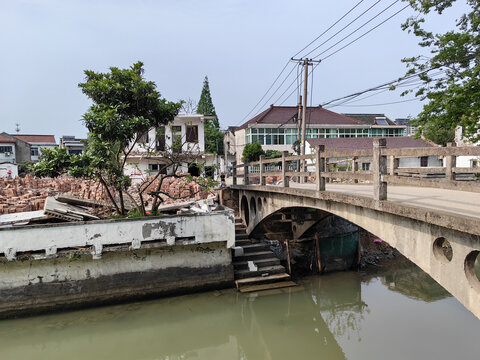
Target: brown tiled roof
283, 115
344, 144
3, 139
46, 139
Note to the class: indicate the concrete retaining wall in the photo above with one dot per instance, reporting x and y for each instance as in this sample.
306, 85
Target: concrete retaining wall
70, 265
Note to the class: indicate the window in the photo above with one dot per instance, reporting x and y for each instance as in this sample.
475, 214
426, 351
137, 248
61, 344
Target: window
143, 137
365, 166
192, 133
4, 149
160, 143
153, 167
176, 129
424, 161
34, 151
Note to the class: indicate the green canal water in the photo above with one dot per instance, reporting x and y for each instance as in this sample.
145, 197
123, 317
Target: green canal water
397, 312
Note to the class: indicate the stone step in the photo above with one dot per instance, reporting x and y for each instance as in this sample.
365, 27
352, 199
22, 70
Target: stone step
268, 286
241, 236
238, 220
243, 242
254, 256
247, 249
239, 265
270, 270
240, 231
261, 279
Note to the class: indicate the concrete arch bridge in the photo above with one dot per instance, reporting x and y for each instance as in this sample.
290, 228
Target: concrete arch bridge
420, 222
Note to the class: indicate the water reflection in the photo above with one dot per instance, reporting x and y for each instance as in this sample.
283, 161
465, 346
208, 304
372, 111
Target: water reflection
323, 318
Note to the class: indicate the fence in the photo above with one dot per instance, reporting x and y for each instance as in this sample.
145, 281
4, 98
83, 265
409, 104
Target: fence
384, 170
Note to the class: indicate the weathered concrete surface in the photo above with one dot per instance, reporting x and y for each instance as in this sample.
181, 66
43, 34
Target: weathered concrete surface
47, 240
79, 280
411, 230
70, 265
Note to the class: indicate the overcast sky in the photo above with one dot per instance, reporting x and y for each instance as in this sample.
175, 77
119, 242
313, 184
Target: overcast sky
241, 46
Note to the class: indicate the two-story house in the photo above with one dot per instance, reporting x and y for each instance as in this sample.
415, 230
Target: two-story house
185, 136
37, 143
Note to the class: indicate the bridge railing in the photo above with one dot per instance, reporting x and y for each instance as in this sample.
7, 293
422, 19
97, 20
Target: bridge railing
324, 166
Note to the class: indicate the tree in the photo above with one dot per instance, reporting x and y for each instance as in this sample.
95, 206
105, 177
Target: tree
125, 106
251, 152
213, 135
450, 76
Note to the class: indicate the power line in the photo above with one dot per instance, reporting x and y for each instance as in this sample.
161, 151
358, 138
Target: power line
335, 23
265, 94
390, 103
288, 62
358, 38
346, 26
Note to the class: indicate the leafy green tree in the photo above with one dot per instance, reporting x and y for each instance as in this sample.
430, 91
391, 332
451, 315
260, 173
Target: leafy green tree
251, 152
125, 106
450, 75
213, 135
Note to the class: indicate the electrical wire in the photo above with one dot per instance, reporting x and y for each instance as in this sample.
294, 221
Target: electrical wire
331, 26
346, 26
358, 38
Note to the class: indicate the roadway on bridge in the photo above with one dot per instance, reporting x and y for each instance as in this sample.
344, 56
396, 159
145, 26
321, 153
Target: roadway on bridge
452, 201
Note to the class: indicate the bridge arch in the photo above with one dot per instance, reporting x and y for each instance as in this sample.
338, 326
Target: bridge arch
415, 239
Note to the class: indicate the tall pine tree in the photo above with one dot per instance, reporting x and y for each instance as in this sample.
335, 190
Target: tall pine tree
213, 135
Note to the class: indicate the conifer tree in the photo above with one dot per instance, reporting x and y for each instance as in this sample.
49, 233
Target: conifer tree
213, 135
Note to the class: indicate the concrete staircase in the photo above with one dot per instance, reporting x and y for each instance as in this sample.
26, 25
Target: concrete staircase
256, 267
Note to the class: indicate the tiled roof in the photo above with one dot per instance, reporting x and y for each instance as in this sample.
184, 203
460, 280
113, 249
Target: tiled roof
46, 139
283, 115
370, 118
344, 144
4, 140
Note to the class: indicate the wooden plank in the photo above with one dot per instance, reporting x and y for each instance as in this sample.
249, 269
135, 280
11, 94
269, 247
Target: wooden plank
262, 279
261, 287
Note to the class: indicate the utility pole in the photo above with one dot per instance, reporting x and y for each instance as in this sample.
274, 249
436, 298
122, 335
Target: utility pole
305, 62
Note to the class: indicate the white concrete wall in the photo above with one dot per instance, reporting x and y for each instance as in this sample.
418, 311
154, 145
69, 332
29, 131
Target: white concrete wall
433, 161
8, 158
205, 228
4, 167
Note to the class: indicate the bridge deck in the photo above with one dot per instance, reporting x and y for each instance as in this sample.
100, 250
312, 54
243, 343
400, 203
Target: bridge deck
455, 202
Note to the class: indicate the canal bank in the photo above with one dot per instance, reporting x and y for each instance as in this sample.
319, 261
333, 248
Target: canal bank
55, 267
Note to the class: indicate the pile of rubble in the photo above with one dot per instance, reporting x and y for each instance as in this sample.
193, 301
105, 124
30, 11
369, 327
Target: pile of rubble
29, 193
177, 188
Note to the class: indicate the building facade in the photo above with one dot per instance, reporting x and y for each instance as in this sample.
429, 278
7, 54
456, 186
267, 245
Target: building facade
184, 138
37, 143
276, 128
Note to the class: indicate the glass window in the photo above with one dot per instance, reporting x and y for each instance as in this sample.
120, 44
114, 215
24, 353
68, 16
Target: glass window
4, 149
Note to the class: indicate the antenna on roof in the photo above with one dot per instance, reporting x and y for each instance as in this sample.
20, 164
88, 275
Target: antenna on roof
17, 128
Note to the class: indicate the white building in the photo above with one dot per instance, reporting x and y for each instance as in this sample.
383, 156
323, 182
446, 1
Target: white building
465, 161
185, 136
8, 166
72, 144
37, 143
